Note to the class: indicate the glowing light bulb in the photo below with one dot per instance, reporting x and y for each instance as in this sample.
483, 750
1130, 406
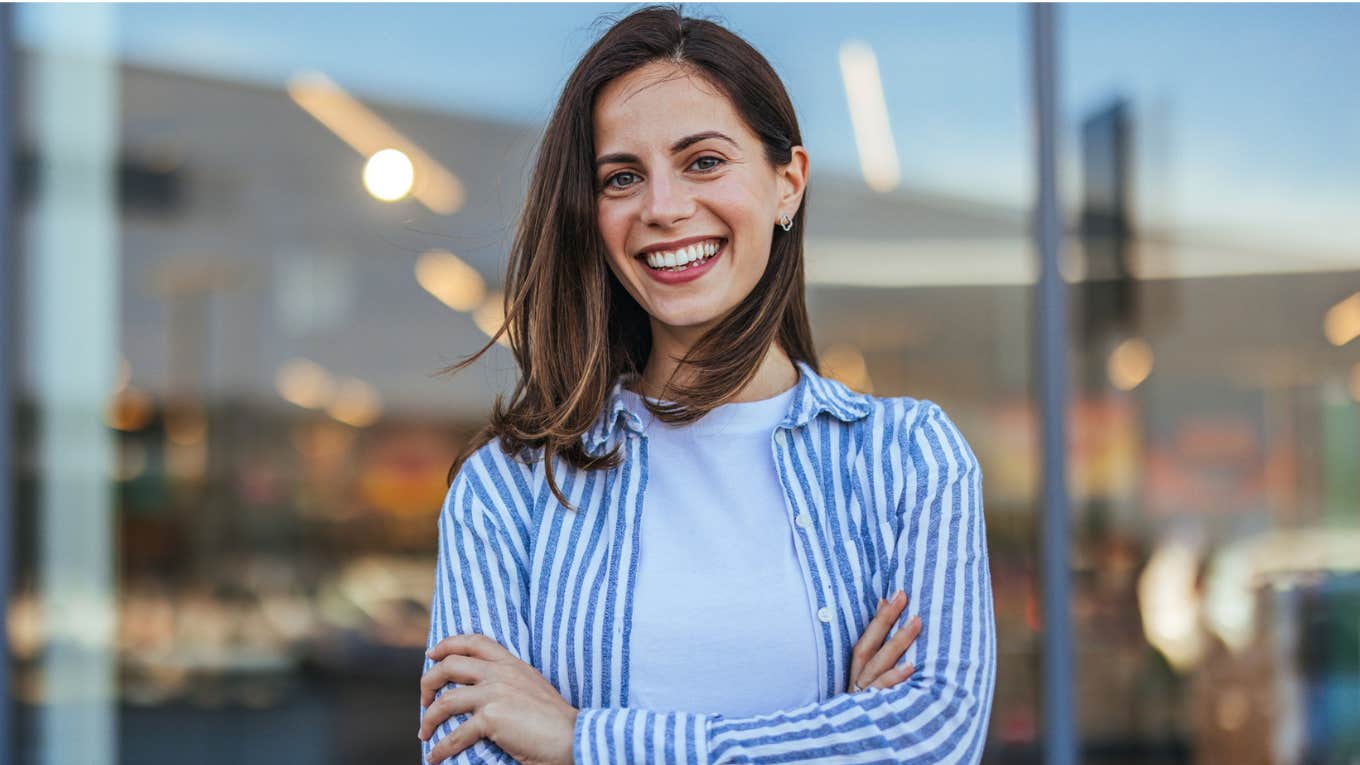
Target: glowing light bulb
389, 175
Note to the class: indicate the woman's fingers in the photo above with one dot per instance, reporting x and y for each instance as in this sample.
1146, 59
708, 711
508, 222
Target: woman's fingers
886, 658
454, 668
871, 642
470, 644
894, 649
892, 677
457, 701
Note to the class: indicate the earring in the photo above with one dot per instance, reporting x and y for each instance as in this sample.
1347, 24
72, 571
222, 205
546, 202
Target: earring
785, 222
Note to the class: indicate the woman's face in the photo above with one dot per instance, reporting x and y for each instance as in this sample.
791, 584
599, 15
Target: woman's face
679, 174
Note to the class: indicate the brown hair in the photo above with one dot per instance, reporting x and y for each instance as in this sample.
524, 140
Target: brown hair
571, 325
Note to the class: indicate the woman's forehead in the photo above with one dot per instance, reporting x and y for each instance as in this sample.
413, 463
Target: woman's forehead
651, 106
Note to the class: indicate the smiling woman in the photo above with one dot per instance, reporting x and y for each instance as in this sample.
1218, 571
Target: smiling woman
714, 181
678, 542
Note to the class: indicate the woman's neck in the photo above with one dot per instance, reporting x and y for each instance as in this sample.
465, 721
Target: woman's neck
776, 374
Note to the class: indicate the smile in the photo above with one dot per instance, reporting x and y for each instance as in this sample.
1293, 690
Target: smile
683, 264
685, 257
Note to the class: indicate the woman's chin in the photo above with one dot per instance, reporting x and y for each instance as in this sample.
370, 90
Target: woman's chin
688, 321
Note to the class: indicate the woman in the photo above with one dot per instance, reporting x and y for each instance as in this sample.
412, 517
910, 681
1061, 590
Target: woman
636, 549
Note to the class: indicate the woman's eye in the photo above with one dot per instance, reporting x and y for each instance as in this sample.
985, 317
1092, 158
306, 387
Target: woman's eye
616, 176
610, 182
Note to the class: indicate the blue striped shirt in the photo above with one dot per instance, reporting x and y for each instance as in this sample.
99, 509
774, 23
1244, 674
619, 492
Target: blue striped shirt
894, 495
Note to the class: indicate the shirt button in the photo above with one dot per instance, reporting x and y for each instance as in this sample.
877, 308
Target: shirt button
824, 614
803, 520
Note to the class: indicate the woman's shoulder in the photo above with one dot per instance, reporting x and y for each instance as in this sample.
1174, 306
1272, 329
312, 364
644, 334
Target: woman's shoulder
492, 474
921, 424
896, 414
899, 409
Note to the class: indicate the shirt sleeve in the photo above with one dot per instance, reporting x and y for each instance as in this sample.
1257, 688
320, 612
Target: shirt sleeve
480, 583
938, 715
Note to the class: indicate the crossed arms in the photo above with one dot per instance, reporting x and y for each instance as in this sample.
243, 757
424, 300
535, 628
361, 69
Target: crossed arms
939, 714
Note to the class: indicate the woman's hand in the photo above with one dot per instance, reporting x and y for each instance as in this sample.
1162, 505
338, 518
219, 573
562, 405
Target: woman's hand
872, 661
512, 704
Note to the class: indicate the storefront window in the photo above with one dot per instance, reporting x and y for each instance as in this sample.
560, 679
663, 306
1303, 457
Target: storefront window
250, 235
237, 298
1215, 540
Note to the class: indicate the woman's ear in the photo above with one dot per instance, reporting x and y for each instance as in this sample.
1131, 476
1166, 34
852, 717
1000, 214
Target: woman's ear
792, 181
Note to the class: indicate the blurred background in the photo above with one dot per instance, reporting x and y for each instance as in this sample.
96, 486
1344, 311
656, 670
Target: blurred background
245, 237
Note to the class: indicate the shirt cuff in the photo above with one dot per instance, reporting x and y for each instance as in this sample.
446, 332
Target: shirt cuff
619, 734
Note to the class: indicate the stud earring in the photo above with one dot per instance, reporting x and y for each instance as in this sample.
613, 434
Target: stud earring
785, 222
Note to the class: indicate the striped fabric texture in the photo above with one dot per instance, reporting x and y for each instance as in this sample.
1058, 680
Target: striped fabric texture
894, 497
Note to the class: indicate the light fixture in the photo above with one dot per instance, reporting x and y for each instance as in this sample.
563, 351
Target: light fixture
1342, 322
446, 276
490, 315
1130, 363
304, 383
388, 175
869, 116
355, 403
432, 184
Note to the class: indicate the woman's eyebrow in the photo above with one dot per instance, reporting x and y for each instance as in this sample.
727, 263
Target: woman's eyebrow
677, 147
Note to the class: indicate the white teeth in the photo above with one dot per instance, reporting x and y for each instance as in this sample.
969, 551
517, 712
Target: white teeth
683, 256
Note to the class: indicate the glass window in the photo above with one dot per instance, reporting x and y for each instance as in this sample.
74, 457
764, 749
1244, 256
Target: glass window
1211, 180
251, 234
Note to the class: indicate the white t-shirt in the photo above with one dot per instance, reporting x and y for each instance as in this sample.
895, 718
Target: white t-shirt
722, 619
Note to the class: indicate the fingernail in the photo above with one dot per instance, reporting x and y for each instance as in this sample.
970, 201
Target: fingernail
899, 597
881, 601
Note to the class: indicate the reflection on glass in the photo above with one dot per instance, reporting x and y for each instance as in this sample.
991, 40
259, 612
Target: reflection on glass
303, 240
388, 175
232, 436
1220, 325
869, 115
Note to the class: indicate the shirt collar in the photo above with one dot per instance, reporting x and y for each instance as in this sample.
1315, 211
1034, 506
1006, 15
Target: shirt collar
813, 395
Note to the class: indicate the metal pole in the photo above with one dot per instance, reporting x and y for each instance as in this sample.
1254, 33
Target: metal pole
1059, 733
8, 747
71, 289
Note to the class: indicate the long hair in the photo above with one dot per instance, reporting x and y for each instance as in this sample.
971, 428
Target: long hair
572, 327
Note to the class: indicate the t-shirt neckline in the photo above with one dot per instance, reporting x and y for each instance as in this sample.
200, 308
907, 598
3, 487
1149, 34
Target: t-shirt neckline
725, 419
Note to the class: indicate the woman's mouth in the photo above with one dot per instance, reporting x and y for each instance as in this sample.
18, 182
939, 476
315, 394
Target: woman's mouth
684, 263
685, 257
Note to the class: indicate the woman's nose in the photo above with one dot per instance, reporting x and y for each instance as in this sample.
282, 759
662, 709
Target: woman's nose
666, 202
